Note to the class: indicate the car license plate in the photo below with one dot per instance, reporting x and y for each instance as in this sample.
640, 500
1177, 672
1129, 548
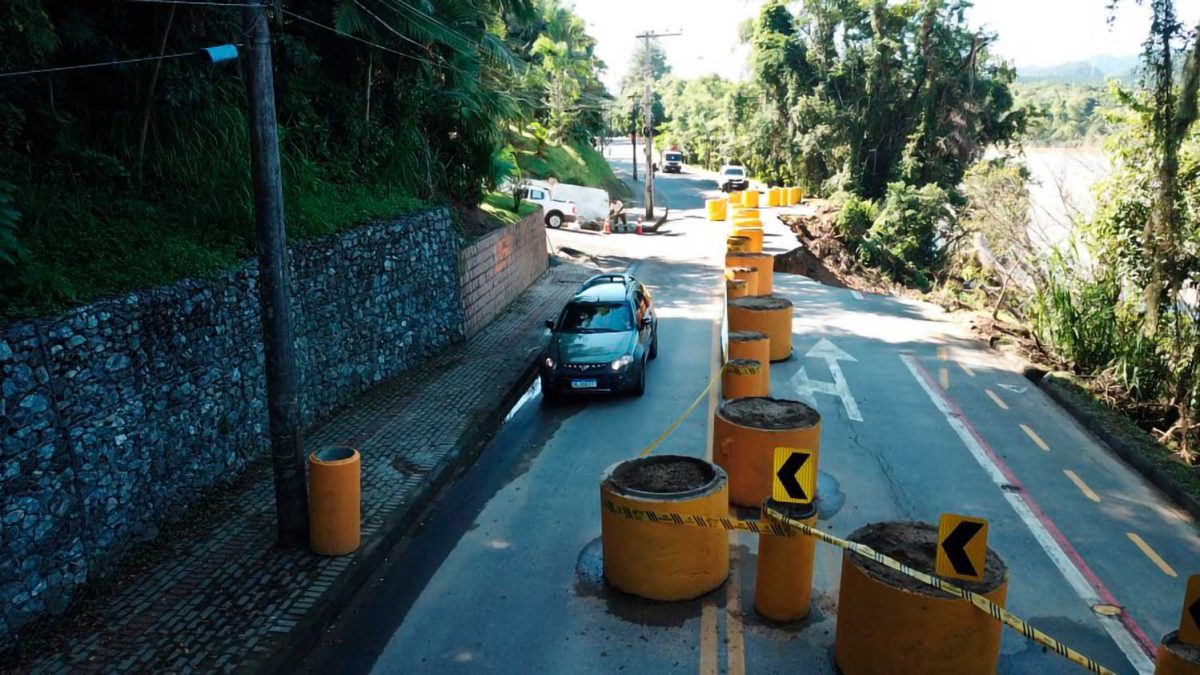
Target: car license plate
583, 384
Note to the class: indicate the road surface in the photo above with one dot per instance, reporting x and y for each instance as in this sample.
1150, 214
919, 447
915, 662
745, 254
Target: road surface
503, 576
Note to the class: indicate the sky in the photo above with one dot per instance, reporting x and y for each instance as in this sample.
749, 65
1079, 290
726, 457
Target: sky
1031, 32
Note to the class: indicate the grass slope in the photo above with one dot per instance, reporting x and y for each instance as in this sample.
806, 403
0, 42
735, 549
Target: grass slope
576, 163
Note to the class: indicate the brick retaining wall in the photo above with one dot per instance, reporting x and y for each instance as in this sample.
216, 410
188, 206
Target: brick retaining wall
499, 266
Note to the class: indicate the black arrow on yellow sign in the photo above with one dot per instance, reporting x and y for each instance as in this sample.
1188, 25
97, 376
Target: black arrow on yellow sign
955, 547
787, 475
1189, 623
795, 479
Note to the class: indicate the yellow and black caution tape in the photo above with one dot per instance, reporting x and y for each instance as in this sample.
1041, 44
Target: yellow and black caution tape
679, 420
791, 527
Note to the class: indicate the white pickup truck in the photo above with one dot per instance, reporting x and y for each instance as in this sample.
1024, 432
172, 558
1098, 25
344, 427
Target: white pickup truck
557, 212
591, 204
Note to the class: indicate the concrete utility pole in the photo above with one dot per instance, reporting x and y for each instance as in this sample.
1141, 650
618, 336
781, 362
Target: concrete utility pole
633, 137
283, 396
648, 118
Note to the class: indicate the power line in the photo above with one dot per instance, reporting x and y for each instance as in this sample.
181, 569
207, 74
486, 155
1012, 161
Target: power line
99, 64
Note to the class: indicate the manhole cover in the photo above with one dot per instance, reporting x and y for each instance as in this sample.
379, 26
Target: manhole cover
1108, 610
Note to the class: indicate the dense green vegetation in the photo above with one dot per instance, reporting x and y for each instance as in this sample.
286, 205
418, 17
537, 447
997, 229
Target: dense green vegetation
1068, 114
124, 176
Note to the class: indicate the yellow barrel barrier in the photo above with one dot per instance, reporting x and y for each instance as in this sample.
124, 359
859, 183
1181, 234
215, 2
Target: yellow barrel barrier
745, 213
1176, 657
743, 378
747, 431
747, 221
765, 262
795, 195
735, 288
783, 584
716, 209
737, 244
746, 274
334, 501
735, 198
888, 622
656, 562
750, 199
770, 314
748, 344
774, 197
754, 234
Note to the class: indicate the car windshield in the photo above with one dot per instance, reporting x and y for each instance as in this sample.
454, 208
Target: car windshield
734, 171
581, 317
674, 156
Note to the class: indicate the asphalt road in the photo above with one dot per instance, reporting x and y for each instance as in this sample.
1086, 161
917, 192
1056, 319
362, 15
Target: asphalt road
503, 576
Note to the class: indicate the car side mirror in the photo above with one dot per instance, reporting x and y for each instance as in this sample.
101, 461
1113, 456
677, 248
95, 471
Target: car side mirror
550, 324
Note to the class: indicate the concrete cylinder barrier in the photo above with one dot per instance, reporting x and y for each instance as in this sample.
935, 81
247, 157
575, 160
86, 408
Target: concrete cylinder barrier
783, 583
746, 274
755, 235
659, 562
888, 622
742, 378
765, 262
745, 213
747, 431
735, 288
1176, 657
716, 209
795, 195
735, 198
770, 314
774, 197
746, 344
747, 221
750, 199
737, 244
334, 501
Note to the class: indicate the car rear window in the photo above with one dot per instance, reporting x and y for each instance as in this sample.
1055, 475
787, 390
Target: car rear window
674, 157
581, 317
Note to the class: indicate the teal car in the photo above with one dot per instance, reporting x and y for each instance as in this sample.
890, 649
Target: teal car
602, 340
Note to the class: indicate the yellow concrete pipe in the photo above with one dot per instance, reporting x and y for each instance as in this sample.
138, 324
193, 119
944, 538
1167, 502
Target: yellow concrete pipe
747, 221
765, 262
795, 195
746, 274
755, 346
774, 197
654, 561
770, 314
745, 213
735, 198
737, 244
1177, 658
735, 288
743, 378
745, 435
783, 583
887, 623
334, 501
750, 199
754, 234
716, 209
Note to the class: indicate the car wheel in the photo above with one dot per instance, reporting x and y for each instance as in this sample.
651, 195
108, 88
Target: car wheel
654, 345
549, 393
640, 387
554, 220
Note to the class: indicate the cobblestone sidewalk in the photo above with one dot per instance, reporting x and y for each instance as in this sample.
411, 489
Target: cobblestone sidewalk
213, 594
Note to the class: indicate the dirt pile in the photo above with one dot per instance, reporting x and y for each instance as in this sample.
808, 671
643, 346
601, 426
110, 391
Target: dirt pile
823, 257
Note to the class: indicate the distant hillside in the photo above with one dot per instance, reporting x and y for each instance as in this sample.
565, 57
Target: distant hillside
1090, 71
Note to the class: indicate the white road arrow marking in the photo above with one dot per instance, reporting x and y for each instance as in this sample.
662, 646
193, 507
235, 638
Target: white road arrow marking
807, 388
1014, 388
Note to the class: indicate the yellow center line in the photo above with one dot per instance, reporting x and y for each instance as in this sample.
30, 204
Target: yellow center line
943, 353
735, 642
944, 378
708, 638
1036, 439
1151, 554
996, 399
1083, 487
967, 369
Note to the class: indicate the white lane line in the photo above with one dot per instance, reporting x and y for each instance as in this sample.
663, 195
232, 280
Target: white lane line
857, 295
1081, 579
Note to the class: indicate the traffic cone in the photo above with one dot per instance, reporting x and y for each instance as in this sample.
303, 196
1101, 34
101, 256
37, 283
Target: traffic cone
639, 230
607, 229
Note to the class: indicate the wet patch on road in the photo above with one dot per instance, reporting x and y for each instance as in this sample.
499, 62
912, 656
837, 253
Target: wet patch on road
830, 498
589, 583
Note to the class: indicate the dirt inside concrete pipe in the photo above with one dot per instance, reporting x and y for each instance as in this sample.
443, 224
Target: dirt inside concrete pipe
663, 475
764, 303
915, 545
1187, 653
770, 413
743, 270
742, 363
746, 336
